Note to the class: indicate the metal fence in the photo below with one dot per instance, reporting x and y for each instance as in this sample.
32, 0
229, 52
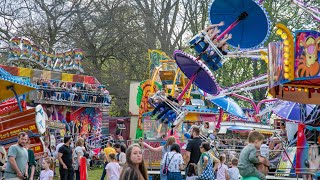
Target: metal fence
277, 171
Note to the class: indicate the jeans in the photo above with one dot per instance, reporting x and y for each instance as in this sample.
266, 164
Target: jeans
162, 176
77, 172
161, 105
169, 115
174, 176
66, 174
104, 172
166, 109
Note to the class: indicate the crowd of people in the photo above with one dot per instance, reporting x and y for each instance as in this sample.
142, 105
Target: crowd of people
198, 162
72, 92
122, 163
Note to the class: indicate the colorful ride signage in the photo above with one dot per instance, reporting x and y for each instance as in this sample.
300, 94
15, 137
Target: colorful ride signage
294, 67
41, 117
12, 125
55, 125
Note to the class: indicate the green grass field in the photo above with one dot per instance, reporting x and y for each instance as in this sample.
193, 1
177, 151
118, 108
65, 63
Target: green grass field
93, 174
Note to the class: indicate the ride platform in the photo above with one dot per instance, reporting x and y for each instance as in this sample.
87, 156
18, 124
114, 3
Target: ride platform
75, 103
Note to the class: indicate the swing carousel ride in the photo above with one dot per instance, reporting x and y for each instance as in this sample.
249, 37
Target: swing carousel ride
292, 82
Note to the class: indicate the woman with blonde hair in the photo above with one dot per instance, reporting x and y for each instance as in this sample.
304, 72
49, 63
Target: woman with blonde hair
135, 168
163, 149
78, 153
47, 173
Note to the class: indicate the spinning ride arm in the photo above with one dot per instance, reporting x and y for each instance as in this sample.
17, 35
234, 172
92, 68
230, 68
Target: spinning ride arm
247, 54
246, 99
284, 145
214, 47
315, 12
257, 83
241, 17
268, 108
180, 113
265, 101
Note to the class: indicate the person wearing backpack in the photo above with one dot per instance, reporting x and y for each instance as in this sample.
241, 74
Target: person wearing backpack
163, 149
172, 163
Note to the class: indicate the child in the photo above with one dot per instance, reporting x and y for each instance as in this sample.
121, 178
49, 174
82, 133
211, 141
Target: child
204, 129
264, 150
222, 173
234, 171
191, 175
47, 173
249, 157
113, 168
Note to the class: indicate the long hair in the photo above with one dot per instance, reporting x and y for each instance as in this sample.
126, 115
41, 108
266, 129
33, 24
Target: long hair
169, 142
80, 142
49, 160
123, 148
130, 169
222, 158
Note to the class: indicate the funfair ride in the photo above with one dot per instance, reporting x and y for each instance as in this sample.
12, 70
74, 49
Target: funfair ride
293, 67
60, 104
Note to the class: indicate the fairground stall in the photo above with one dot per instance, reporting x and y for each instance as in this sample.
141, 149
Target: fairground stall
65, 102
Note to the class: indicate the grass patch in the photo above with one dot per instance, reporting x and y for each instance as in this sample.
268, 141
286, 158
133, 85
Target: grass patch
94, 174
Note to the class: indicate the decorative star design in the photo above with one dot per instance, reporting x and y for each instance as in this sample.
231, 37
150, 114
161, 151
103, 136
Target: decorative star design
40, 111
40, 122
2, 156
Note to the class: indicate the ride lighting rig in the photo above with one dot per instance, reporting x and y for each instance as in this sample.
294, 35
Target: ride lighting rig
288, 50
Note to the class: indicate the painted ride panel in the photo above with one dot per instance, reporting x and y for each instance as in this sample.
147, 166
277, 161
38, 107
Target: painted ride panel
304, 64
30, 121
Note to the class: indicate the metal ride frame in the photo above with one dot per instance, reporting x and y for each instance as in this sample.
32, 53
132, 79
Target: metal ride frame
180, 113
212, 143
153, 169
313, 11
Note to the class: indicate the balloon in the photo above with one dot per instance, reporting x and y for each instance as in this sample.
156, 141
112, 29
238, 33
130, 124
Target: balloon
187, 135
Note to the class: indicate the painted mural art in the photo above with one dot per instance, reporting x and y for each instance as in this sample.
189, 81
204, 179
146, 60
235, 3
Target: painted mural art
307, 55
84, 120
308, 155
142, 101
154, 57
285, 166
275, 70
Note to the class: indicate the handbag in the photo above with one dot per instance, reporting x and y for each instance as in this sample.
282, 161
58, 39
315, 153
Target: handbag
207, 173
165, 167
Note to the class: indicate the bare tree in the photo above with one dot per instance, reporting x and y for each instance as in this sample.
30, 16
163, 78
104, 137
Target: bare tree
164, 21
112, 39
196, 14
